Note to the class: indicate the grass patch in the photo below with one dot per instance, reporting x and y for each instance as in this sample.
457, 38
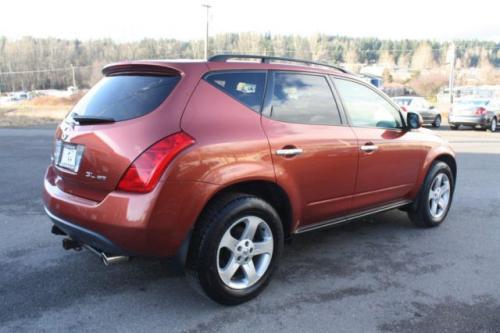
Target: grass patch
38, 111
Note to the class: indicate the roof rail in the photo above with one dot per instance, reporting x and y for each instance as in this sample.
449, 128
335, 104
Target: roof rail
267, 59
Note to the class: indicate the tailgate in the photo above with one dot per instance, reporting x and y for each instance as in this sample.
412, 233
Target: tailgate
123, 115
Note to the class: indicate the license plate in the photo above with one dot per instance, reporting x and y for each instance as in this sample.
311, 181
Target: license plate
70, 156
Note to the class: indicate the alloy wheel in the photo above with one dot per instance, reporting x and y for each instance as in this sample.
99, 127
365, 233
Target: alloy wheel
245, 252
439, 195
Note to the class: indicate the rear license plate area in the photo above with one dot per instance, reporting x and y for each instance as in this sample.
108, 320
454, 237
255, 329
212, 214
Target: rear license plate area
68, 155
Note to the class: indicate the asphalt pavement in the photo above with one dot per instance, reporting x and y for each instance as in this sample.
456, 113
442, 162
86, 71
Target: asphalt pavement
376, 274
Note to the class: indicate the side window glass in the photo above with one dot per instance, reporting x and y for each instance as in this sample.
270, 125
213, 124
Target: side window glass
304, 99
365, 107
246, 87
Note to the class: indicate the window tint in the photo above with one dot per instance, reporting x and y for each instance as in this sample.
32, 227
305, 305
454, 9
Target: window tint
305, 99
366, 107
125, 97
246, 87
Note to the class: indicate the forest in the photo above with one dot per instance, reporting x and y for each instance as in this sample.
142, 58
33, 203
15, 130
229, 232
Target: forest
40, 63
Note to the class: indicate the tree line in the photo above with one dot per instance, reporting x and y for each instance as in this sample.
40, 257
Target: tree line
41, 63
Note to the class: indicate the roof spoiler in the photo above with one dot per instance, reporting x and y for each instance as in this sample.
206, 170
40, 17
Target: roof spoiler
137, 68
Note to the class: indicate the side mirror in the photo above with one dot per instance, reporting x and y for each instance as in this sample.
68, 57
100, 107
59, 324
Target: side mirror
414, 120
432, 107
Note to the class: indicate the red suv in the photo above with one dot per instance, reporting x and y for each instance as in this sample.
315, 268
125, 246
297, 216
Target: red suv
219, 162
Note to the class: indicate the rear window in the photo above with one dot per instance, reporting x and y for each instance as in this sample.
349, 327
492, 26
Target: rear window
470, 103
125, 97
246, 87
403, 101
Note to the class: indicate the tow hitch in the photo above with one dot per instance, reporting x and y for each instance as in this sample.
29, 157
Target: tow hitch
71, 244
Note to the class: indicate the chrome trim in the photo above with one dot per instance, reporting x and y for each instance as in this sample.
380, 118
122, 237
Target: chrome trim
289, 152
350, 217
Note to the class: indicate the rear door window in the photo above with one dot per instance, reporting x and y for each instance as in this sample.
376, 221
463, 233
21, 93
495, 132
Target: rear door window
246, 87
124, 97
304, 99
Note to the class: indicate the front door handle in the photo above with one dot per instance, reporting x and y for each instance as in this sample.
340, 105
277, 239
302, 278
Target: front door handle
368, 148
289, 152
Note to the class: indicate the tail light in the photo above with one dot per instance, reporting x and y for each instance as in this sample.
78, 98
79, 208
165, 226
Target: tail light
404, 109
144, 173
480, 111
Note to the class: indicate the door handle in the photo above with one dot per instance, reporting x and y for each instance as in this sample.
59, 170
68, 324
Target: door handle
289, 152
368, 148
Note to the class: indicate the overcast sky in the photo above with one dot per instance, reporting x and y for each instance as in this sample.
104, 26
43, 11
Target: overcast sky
127, 20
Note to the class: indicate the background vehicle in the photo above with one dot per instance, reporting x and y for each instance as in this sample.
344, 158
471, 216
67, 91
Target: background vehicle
475, 112
218, 162
419, 105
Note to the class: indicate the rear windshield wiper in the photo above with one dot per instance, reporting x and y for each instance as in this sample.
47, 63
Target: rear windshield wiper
90, 120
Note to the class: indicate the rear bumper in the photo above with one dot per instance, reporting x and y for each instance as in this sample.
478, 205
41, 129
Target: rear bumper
469, 120
153, 224
85, 236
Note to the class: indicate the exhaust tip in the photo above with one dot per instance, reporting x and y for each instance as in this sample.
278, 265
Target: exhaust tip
113, 259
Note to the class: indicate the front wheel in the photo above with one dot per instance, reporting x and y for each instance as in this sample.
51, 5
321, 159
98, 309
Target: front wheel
493, 125
435, 196
236, 248
437, 122
454, 127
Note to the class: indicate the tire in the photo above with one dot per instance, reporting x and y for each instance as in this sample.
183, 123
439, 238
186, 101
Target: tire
428, 210
219, 245
454, 127
493, 125
437, 122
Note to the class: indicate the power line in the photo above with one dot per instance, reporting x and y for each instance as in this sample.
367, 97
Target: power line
44, 70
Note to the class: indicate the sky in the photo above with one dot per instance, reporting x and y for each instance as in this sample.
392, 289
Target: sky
131, 20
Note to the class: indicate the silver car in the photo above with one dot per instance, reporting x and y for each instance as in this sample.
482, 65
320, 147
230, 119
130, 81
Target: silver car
476, 112
419, 105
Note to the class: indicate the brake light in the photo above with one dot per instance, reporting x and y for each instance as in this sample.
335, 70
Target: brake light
145, 172
480, 111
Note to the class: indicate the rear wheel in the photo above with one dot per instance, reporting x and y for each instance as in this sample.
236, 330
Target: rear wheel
236, 248
454, 127
493, 125
435, 196
437, 122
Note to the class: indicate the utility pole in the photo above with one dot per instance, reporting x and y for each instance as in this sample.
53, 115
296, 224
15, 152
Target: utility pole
207, 6
451, 59
73, 75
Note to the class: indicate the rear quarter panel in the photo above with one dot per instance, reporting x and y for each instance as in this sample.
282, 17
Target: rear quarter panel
230, 143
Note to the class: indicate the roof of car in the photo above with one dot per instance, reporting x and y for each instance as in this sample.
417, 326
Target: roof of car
232, 62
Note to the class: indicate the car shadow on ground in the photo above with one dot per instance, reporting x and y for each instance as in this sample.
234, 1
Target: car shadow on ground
69, 278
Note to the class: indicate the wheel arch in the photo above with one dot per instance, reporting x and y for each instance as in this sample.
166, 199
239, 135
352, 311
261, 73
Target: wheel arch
268, 190
450, 161
443, 154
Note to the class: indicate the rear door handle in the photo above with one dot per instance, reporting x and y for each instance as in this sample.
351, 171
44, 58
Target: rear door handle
289, 152
368, 148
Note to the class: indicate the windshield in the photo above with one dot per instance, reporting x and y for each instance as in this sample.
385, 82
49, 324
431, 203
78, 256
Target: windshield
125, 97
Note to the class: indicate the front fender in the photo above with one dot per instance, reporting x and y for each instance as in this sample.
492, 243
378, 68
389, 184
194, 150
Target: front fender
436, 153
